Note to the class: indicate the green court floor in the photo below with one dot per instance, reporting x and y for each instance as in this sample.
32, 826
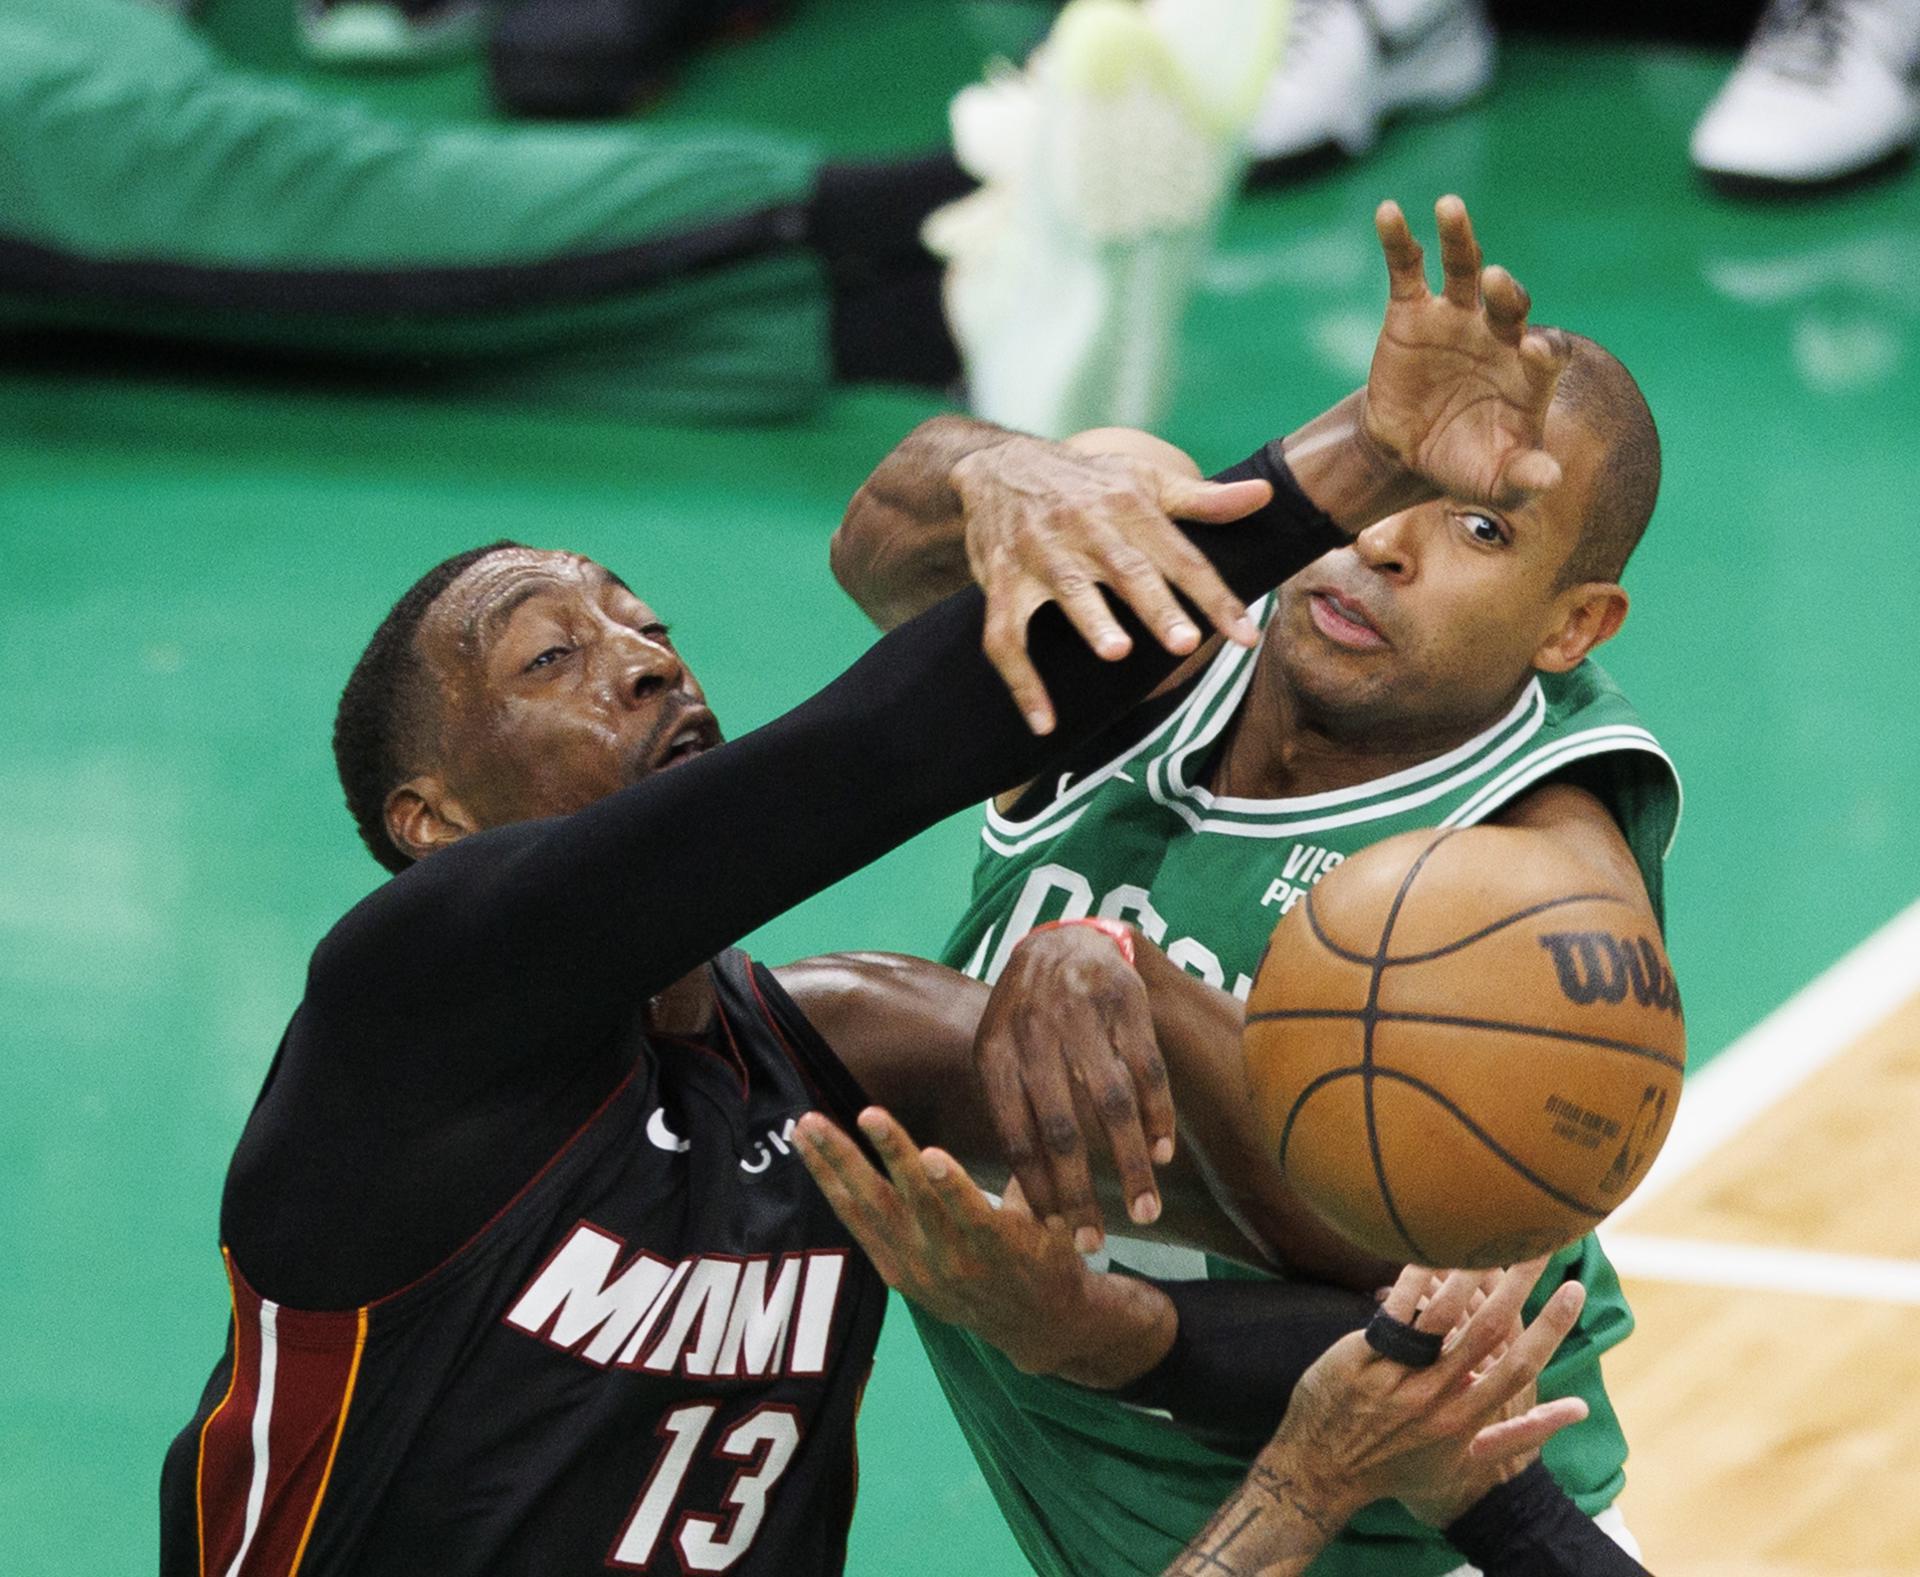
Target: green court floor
189, 565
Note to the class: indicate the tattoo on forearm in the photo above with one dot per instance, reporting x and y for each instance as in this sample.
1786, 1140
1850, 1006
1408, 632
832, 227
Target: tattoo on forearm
1272, 1518
1208, 1556
1287, 1494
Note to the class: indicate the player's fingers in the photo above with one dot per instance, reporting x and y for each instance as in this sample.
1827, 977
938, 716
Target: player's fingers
857, 1193
1460, 260
1506, 303
1406, 263
1014, 1121
1544, 354
1108, 1081
1449, 1306
1193, 573
1136, 579
1488, 1280
1402, 1301
1005, 643
1211, 503
908, 1171
1139, 1048
1527, 473
1014, 1197
965, 1205
1529, 1353
1067, 581
1512, 1437
1129, 1041
1063, 1146
1492, 1322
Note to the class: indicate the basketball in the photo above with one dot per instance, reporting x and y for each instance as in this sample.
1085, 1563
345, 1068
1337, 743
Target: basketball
1465, 1049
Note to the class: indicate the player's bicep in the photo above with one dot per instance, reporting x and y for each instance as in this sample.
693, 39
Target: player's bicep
904, 1028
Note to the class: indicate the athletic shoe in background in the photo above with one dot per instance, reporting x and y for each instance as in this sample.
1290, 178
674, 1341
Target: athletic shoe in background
1824, 92
593, 59
389, 32
1104, 166
1349, 65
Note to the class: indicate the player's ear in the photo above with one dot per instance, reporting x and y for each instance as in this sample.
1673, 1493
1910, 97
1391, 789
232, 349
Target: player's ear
1590, 613
421, 816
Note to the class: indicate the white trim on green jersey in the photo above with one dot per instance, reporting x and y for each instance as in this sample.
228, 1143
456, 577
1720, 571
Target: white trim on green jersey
1522, 721
1569, 748
1004, 835
1282, 818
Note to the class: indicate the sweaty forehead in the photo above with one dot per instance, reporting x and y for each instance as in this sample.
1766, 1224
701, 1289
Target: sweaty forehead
475, 609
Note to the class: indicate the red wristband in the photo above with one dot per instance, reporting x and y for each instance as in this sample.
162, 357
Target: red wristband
1120, 935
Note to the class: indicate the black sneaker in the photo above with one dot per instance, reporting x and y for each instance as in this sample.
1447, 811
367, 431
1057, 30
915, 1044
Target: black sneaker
592, 59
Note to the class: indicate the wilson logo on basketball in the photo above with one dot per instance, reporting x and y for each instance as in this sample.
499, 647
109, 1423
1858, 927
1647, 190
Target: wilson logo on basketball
1596, 967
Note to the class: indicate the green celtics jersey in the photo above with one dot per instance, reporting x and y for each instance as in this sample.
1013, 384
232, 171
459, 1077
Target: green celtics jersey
1090, 1486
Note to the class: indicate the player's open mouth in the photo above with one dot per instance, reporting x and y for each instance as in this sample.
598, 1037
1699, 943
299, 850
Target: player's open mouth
696, 734
1343, 623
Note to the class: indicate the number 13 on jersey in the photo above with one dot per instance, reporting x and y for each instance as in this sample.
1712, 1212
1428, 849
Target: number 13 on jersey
764, 1441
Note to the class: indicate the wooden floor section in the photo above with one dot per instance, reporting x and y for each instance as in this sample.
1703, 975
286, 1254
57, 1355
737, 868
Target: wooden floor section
1776, 1429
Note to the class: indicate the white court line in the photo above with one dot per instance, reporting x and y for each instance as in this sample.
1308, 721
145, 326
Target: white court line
1755, 1268
1784, 1049
1757, 1071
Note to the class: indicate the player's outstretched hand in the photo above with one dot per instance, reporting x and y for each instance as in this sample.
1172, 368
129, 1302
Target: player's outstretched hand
1439, 1438
1363, 1427
1065, 1041
1011, 1279
1460, 383
1045, 523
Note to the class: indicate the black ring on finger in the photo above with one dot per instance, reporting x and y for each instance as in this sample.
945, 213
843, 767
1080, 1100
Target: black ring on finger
1401, 1342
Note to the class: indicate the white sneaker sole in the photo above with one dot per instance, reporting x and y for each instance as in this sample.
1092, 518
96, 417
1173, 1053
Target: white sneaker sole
1450, 68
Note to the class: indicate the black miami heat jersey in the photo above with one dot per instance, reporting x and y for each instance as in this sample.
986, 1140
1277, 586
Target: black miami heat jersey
650, 1360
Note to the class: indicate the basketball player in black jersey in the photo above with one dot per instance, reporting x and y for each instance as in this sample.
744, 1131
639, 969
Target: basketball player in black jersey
526, 1277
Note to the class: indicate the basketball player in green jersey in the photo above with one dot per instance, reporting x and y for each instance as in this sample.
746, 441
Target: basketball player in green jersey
1435, 672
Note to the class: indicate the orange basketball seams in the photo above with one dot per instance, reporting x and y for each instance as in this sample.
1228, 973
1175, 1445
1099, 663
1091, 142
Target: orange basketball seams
1462, 1051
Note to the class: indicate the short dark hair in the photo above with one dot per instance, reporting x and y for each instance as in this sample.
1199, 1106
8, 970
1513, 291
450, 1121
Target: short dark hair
387, 707
1601, 395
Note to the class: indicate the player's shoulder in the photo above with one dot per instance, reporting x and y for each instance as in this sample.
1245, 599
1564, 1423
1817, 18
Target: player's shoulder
1585, 695
1594, 737
1586, 713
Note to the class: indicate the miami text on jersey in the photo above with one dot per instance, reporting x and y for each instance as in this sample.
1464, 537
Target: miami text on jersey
722, 1316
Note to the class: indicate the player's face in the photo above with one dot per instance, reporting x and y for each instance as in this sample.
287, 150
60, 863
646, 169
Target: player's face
1430, 622
559, 686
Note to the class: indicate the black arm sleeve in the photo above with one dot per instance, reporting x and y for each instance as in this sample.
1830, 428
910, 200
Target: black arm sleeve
1238, 1352
465, 1018
558, 923
1527, 1527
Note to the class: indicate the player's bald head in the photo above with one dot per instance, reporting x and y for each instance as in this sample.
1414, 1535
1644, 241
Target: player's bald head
1598, 392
